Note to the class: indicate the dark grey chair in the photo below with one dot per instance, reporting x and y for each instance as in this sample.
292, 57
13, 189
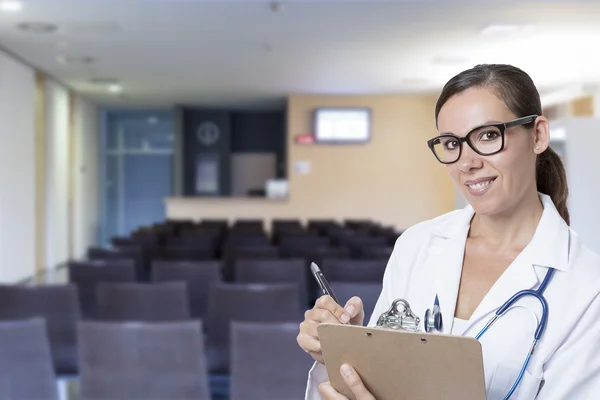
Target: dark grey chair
232, 254
26, 370
87, 274
377, 252
274, 271
354, 270
199, 276
143, 302
245, 302
367, 291
59, 306
134, 253
280, 375
142, 361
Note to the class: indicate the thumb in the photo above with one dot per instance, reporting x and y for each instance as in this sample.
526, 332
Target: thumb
354, 308
355, 383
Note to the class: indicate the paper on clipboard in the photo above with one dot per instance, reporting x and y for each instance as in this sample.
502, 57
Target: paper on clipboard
396, 365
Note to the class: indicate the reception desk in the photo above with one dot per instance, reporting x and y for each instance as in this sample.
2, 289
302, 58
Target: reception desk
230, 208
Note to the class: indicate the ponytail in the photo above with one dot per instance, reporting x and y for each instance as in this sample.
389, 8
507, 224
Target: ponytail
551, 179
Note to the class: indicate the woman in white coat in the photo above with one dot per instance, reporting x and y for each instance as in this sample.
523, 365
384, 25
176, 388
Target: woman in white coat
494, 143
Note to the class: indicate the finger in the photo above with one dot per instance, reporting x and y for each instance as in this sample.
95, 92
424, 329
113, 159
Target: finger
329, 393
318, 357
354, 306
309, 344
327, 303
310, 328
319, 315
355, 383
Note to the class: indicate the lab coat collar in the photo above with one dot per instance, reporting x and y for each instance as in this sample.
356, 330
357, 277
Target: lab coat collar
549, 247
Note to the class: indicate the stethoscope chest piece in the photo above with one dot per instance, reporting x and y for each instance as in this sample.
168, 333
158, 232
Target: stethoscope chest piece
433, 318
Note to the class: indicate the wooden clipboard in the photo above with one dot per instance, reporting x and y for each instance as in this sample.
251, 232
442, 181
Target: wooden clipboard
398, 365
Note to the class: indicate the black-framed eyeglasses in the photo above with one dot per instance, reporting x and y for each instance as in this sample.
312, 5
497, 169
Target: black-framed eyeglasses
485, 140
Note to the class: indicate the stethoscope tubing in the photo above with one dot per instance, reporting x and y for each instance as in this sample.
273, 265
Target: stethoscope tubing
541, 326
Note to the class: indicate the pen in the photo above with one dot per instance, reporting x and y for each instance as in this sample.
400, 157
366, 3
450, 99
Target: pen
325, 288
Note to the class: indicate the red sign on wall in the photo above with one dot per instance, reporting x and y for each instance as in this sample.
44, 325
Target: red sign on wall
305, 139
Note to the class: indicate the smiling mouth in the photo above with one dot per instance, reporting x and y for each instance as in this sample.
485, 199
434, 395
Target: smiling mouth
479, 186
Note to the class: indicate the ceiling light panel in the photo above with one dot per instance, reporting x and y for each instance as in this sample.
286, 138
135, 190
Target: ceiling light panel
11, 6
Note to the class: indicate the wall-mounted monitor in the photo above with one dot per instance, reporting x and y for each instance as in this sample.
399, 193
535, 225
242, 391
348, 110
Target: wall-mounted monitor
342, 125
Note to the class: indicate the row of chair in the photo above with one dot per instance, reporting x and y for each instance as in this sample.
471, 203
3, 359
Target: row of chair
200, 275
163, 302
153, 361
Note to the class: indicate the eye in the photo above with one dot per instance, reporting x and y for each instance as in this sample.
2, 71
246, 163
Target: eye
451, 144
489, 135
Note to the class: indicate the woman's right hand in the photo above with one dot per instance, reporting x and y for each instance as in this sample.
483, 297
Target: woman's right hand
327, 310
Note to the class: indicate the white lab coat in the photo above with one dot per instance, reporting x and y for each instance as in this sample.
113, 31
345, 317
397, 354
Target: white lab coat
427, 260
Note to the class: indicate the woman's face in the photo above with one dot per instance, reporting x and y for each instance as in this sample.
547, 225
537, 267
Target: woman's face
497, 183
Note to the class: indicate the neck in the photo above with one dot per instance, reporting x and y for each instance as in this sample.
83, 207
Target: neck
512, 229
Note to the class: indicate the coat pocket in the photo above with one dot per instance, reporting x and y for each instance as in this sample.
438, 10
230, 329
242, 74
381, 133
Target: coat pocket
504, 378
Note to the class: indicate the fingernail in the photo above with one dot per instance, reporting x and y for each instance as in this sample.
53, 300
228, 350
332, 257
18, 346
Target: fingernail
350, 310
346, 370
345, 318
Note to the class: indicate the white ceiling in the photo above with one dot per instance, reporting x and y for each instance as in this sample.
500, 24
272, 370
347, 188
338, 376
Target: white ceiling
228, 52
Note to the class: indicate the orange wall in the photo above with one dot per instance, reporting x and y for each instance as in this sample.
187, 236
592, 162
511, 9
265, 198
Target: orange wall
393, 179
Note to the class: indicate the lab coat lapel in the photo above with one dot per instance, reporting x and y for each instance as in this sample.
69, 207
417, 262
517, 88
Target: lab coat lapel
518, 276
446, 254
447, 257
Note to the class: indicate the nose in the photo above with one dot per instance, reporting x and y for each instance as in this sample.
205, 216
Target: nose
469, 160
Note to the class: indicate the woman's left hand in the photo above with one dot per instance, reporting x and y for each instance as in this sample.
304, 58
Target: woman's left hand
354, 383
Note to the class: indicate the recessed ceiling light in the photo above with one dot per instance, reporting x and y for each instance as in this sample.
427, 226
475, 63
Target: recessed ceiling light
68, 60
38, 27
275, 6
11, 6
152, 120
504, 29
115, 88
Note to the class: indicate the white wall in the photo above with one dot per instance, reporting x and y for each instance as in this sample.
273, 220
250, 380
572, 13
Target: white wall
87, 215
57, 173
583, 175
17, 171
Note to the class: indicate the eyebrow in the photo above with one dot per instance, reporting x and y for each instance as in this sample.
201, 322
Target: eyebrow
472, 129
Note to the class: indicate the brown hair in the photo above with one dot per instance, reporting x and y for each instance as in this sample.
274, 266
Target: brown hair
517, 90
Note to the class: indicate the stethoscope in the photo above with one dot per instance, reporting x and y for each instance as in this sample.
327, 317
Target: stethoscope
433, 320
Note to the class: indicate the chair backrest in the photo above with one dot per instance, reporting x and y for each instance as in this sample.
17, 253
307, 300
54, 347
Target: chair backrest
277, 302
143, 302
281, 373
161, 360
367, 291
182, 253
26, 370
59, 306
376, 252
274, 271
251, 252
354, 270
87, 274
199, 276
292, 242
135, 253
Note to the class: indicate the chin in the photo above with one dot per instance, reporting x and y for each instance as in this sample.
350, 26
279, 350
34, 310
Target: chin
485, 206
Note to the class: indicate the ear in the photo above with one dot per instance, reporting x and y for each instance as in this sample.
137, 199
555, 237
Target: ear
541, 135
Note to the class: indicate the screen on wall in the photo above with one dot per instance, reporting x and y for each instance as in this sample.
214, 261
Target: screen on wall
342, 125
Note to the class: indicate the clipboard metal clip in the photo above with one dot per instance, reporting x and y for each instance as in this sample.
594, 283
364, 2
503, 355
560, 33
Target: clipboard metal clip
399, 318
